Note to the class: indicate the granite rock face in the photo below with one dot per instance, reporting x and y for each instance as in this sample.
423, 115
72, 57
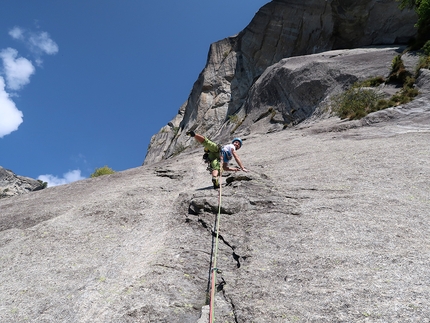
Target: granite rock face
299, 88
331, 224
12, 184
280, 29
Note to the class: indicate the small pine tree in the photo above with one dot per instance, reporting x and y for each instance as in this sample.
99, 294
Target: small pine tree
105, 170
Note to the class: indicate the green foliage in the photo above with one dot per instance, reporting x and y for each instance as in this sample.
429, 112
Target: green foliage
426, 48
423, 62
355, 103
234, 118
404, 96
409, 82
372, 82
44, 184
398, 72
105, 170
410, 4
359, 100
175, 130
397, 64
422, 8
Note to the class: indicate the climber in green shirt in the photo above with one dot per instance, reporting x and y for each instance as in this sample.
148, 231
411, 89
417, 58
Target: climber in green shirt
215, 152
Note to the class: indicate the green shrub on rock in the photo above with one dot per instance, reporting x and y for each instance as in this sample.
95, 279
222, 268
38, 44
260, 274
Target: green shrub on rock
355, 103
424, 62
398, 72
105, 170
361, 99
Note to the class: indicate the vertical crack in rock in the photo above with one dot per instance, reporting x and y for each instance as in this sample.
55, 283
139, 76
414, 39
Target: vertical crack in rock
247, 202
229, 301
235, 256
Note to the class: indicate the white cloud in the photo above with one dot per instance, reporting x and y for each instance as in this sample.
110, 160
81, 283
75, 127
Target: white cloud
69, 177
41, 41
16, 70
17, 33
38, 42
10, 116
16, 73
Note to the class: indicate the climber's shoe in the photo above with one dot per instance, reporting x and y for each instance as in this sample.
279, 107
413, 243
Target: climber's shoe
215, 182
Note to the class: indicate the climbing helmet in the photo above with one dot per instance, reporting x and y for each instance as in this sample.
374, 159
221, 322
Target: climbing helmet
238, 140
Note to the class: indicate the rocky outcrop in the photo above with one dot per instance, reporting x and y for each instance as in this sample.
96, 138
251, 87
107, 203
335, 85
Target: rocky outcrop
12, 184
280, 29
297, 88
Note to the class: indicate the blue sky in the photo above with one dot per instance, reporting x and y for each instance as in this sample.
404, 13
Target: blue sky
86, 83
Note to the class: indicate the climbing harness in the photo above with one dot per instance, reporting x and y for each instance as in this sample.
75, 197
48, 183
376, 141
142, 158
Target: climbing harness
214, 269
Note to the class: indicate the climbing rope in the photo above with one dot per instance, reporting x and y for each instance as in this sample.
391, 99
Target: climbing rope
214, 269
